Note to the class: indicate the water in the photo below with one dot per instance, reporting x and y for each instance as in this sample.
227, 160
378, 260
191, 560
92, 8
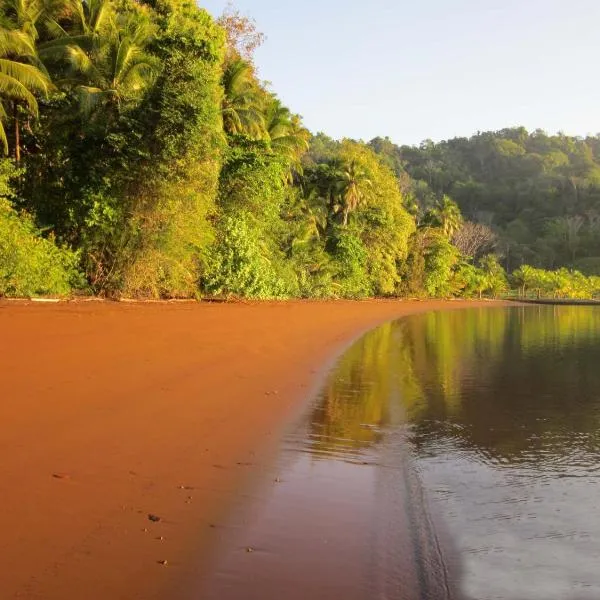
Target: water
449, 455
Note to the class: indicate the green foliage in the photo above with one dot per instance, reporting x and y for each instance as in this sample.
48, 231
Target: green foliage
469, 280
412, 270
494, 275
29, 264
589, 265
303, 243
357, 191
540, 192
239, 264
440, 258
445, 215
21, 75
562, 283
154, 150
172, 198
252, 179
133, 183
350, 256
242, 112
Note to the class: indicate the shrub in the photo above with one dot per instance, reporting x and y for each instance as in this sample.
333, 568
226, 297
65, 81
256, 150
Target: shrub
241, 265
29, 264
350, 257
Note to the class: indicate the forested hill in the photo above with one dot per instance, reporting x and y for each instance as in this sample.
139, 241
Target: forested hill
144, 157
540, 192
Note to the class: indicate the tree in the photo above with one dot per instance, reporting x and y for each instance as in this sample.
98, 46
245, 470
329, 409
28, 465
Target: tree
21, 77
474, 239
109, 65
494, 275
352, 184
242, 110
285, 131
566, 232
243, 38
446, 215
513, 176
440, 259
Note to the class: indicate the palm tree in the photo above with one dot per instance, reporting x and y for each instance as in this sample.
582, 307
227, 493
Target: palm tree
242, 101
445, 215
21, 77
39, 19
323, 183
102, 57
118, 70
90, 21
287, 135
353, 179
311, 212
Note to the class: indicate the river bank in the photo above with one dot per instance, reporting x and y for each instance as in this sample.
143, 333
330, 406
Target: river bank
128, 429
557, 301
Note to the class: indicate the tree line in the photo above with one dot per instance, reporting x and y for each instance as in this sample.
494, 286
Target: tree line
540, 193
144, 157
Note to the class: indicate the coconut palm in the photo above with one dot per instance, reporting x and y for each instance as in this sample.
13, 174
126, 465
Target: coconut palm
119, 71
107, 64
311, 212
89, 21
352, 183
445, 215
39, 19
287, 135
450, 217
242, 101
21, 77
93, 16
101, 58
23, 16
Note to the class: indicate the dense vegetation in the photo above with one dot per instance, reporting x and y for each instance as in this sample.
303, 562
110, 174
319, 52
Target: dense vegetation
145, 158
540, 193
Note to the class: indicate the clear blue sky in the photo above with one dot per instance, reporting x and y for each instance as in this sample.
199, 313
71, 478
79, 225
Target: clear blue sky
434, 69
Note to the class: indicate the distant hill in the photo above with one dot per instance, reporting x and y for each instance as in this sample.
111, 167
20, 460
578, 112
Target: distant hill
541, 193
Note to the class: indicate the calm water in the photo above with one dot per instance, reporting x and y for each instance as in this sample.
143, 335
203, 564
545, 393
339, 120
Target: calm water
449, 455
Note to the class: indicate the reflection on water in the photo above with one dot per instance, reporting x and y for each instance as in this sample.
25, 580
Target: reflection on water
449, 455
504, 410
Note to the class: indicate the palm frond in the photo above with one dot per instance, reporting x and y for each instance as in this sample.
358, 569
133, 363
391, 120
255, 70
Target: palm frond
55, 29
90, 99
83, 41
13, 89
138, 75
15, 43
97, 14
28, 75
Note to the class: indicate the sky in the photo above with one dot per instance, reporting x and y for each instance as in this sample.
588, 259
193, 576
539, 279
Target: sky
431, 69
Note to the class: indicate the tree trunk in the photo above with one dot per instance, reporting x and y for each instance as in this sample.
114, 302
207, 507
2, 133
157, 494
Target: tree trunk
17, 132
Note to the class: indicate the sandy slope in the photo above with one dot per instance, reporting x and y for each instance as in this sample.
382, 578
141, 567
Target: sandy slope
107, 410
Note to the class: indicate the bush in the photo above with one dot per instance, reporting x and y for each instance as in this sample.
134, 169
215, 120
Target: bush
440, 258
239, 264
350, 256
29, 264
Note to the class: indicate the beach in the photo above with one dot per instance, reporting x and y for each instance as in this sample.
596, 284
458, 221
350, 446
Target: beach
127, 430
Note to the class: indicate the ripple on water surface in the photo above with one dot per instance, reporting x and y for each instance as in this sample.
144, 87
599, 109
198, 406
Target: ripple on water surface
448, 455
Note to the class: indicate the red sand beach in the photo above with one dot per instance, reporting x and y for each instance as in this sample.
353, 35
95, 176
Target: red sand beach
121, 424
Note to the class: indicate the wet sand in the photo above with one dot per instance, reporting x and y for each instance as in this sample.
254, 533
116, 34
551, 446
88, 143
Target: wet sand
112, 413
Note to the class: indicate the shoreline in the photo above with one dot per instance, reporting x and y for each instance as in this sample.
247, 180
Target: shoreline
113, 412
557, 301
